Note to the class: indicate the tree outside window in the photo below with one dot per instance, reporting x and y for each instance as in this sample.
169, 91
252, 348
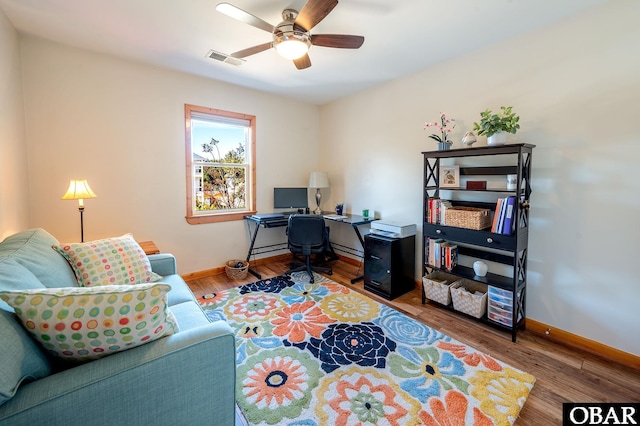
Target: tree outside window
220, 149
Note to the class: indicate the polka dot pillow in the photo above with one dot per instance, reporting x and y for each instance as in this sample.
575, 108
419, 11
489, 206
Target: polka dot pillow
84, 323
112, 261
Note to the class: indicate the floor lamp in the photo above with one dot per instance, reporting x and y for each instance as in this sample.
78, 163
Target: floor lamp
318, 180
79, 190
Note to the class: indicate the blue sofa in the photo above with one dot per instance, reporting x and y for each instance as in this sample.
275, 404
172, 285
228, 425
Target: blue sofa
185, 378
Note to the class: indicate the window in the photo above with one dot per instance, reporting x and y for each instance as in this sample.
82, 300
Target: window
220, 155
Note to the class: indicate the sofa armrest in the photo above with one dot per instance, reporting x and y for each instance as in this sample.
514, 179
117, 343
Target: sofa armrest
185, 378
163, 264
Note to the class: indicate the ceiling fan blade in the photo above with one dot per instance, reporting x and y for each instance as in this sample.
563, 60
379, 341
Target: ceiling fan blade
242, 16
302, 62
337, 40
252, 50
313, 12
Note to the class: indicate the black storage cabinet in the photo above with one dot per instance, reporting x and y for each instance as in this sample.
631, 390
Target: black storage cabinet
389, 265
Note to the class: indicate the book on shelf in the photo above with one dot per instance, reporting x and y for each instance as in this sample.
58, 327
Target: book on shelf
432, 209
436, 210
508, 216
500, 213
433, 247
437, 256
441, 254
450, 256
496, 215
444, 205
503, 209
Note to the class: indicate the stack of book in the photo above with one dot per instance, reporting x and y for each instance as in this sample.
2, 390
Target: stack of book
503, 218
437, 211
441, 254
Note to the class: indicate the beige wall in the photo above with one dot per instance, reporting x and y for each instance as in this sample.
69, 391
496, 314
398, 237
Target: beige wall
120, 125
14, 190
576, 86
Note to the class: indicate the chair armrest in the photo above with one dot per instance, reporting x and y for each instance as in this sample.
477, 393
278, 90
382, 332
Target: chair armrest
163, 264
185, 378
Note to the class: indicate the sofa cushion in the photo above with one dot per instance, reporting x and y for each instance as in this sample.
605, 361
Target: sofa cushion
32, 249
189, 315
22, 359
180, 291
111, 261
14, 276
83, 323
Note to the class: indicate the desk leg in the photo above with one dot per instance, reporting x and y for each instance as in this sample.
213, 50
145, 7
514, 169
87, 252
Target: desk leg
253, 241
355, 228
329, 253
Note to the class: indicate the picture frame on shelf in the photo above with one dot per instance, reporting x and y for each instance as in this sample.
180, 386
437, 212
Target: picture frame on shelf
449, 176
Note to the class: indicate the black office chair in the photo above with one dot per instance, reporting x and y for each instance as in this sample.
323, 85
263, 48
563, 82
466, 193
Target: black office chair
307, 235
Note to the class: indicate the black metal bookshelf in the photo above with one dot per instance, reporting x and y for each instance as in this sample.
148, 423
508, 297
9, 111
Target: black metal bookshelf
506, 249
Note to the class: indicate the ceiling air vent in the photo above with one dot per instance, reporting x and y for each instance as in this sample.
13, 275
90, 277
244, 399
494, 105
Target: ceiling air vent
223, 57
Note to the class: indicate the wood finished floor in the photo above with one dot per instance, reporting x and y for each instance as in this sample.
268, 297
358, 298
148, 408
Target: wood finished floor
562, 374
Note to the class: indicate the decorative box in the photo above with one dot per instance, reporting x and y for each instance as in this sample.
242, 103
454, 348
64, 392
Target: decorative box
477, 184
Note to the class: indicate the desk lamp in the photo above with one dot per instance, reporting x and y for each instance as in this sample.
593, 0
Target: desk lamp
79, 190
318, 180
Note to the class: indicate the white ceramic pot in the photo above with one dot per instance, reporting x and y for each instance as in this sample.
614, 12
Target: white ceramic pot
480, 268
497, 139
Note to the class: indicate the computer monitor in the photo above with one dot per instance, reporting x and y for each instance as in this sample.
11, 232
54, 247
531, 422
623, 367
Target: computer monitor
290, 198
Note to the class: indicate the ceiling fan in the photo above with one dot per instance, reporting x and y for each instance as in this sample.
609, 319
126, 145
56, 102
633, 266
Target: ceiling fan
291, 37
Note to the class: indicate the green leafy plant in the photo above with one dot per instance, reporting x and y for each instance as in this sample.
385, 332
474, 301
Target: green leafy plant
504, 121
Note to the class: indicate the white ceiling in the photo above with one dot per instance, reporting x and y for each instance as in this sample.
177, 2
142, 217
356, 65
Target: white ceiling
401, 36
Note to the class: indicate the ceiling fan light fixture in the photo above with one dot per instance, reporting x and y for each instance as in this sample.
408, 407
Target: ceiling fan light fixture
292, 45
291, 38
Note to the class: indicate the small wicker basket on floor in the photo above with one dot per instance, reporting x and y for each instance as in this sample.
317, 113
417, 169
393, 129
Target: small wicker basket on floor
236, 273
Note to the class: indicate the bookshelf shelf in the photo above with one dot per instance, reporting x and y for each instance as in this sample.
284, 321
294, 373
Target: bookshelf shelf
507, 250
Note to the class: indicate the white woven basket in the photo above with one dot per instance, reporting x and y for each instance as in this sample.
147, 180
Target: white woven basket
436, 286
467, 301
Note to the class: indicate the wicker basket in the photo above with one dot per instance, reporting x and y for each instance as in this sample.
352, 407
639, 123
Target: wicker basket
468, 217
467, 301
436, 287
236, 273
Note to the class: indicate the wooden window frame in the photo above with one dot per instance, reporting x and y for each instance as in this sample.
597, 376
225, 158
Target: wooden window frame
194, 218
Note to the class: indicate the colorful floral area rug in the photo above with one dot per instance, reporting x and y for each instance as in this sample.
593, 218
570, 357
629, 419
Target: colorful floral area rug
321, 354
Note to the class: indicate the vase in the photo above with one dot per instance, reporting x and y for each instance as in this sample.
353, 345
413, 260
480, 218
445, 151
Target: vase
497, 139
480, 268
442, 146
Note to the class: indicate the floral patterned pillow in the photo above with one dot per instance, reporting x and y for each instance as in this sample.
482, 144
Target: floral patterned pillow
85, 323
111, 261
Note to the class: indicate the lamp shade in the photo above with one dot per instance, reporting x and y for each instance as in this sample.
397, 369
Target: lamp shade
318, 180
78, 189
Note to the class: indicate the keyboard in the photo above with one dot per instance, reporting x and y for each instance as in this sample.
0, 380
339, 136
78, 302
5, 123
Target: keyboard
269, 216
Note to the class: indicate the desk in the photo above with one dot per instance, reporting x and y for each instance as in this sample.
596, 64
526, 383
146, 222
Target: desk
265, 223
354, 220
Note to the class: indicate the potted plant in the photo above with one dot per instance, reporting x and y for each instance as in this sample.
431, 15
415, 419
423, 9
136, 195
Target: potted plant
496, 126
444, 143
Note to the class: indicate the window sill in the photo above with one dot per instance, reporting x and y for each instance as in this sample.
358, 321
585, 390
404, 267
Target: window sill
218, 217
